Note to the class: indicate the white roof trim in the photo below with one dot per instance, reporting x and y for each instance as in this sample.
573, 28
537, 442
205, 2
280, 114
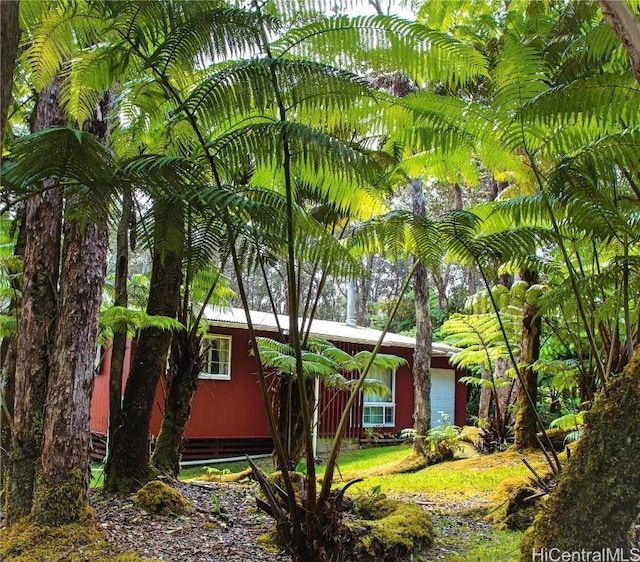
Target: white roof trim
334, 331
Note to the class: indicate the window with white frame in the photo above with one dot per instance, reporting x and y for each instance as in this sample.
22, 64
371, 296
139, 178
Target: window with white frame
379, 408
217, 357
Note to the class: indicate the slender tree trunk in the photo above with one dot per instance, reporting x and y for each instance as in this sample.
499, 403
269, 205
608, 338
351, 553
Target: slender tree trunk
127, 467
119, 343
43, 224
424, 336
525, 424
9, 40
290, 425
485, 396
9, 355
363, 295
62, 490
185, 365
502, 395
598, 494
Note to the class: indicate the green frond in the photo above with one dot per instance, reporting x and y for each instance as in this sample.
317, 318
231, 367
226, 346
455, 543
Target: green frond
8, 326
77, 159
606, 101
313, 153
479, 337
208, 34
385, 43
54, 36
83, 81
519, 76
247, 87
120, 319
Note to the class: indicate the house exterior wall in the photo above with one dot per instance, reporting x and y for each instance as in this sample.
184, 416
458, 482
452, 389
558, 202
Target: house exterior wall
224, 408
234, 409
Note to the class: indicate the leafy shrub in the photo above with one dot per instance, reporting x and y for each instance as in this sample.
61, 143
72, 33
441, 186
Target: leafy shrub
443, 441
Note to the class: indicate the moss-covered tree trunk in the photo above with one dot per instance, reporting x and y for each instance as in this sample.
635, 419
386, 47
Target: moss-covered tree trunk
424, 335
184, 367
9, 40
127, 467
290, 426
42, 224
598, 495
61, 492
525, 422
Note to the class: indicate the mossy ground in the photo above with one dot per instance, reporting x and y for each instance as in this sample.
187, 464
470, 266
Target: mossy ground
387, 530
78, 542
160, 498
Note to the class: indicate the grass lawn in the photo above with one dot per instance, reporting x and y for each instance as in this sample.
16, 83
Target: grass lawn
459, 494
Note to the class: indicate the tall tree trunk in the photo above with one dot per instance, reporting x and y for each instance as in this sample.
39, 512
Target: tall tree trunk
9, 355
43, 224
525, 423
502, 396
119, 343
363, 295
185, 366
61, 493
9, 40
485, 396
424, 335
596, 501
127, 467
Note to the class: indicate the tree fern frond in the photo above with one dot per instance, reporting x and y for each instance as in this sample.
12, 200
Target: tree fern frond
215, 34
387, 44
597, 100
312, 152
75, 158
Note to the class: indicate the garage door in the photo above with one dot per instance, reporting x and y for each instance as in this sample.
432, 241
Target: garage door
443, 385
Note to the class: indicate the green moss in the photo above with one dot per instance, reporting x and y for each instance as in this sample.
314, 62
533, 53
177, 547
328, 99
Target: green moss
160, 498
79, 542
62, 503
599, 489
514, 511
393, 529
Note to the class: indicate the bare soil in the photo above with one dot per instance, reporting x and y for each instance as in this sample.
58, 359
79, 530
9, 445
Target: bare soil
224, 525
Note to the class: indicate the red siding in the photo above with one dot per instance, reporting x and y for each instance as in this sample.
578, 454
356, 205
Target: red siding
235, 409
100, 394
224, 408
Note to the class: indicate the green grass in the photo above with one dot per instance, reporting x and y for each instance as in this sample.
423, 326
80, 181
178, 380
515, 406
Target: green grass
97, 476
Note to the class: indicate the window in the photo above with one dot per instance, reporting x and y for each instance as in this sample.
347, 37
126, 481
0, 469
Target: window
379, 409
217, 358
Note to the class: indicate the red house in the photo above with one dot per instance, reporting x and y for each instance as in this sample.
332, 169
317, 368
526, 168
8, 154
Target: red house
228, 416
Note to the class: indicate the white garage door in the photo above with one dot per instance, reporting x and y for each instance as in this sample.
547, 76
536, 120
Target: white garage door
443, 385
